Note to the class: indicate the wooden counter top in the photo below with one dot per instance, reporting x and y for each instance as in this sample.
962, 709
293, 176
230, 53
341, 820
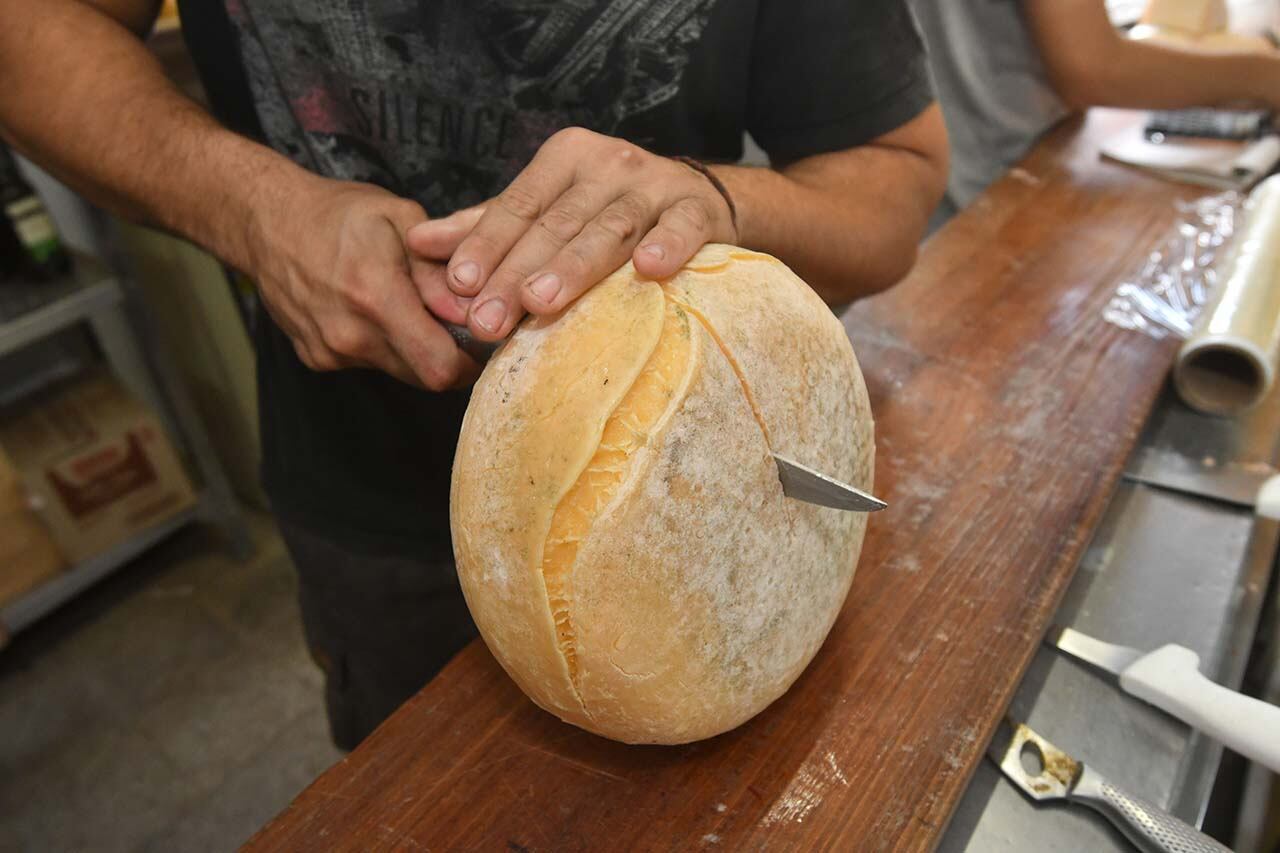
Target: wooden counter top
1005, 409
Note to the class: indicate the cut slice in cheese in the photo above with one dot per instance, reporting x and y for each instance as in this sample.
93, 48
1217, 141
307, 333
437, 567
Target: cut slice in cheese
627, 431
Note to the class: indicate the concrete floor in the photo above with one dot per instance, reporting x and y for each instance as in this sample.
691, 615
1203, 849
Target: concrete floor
172, 707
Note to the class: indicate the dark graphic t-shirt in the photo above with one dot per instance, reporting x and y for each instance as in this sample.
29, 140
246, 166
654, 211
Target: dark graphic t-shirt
445, 101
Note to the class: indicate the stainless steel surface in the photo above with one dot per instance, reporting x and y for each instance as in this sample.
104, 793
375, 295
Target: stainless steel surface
1162, 567
1113, 658
1148, 827
1261, 786
1230, 483
805, 484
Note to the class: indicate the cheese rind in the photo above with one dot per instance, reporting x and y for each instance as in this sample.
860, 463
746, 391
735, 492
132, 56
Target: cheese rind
625, 546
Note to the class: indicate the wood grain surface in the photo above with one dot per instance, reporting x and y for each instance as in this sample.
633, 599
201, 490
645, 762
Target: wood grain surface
1005, 409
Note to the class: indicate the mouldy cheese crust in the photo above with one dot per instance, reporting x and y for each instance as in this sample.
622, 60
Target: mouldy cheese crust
620, 531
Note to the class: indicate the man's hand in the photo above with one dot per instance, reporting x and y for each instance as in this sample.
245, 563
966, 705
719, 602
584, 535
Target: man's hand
583, 206
329, 256
330, 261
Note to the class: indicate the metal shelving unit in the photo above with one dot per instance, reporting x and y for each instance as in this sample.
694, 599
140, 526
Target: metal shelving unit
64, 586
94, 298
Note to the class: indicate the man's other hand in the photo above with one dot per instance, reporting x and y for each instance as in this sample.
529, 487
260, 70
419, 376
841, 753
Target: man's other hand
331, 264
583, 206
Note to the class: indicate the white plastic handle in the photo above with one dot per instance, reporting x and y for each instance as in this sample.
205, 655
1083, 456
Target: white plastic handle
1268, 503
1170, 679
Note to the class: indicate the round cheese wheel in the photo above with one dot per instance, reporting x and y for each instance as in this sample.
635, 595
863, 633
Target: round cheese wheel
620, 529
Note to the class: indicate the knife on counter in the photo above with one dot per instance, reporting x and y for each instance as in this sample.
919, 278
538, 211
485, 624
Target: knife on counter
798, 481
1255, 487
1170, 679
1044, 772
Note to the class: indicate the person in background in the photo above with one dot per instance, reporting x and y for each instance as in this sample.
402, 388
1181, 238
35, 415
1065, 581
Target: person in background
348, 132
1008, 70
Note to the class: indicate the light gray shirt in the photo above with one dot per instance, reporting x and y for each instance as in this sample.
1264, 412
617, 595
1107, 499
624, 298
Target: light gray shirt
992, 86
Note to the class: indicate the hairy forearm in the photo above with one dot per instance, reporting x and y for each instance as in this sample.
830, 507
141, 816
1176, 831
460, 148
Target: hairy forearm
848, 223
1097, 66
85, 98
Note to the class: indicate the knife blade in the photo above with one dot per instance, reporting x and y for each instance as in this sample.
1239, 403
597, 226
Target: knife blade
1170, 679
805, 484
798, 481
1044, 772
1238, 485
479, 350
1109, 656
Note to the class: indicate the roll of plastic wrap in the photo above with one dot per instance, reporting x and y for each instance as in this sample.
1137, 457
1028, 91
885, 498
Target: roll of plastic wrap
1229, 362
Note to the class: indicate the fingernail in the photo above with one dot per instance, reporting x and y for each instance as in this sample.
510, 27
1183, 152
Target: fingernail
466, 274
546, 287
654, 250
490, 315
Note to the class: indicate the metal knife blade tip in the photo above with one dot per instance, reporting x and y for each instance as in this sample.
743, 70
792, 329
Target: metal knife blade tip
805, 484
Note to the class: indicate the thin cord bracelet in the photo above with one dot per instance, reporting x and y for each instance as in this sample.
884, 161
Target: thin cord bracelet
701, 168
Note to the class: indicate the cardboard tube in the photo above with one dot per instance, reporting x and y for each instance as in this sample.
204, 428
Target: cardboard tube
1229, 362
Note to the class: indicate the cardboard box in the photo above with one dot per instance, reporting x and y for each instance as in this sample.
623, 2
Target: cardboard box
95, 463
28, 555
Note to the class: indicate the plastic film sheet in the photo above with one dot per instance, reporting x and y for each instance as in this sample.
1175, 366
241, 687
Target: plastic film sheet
1166, 295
